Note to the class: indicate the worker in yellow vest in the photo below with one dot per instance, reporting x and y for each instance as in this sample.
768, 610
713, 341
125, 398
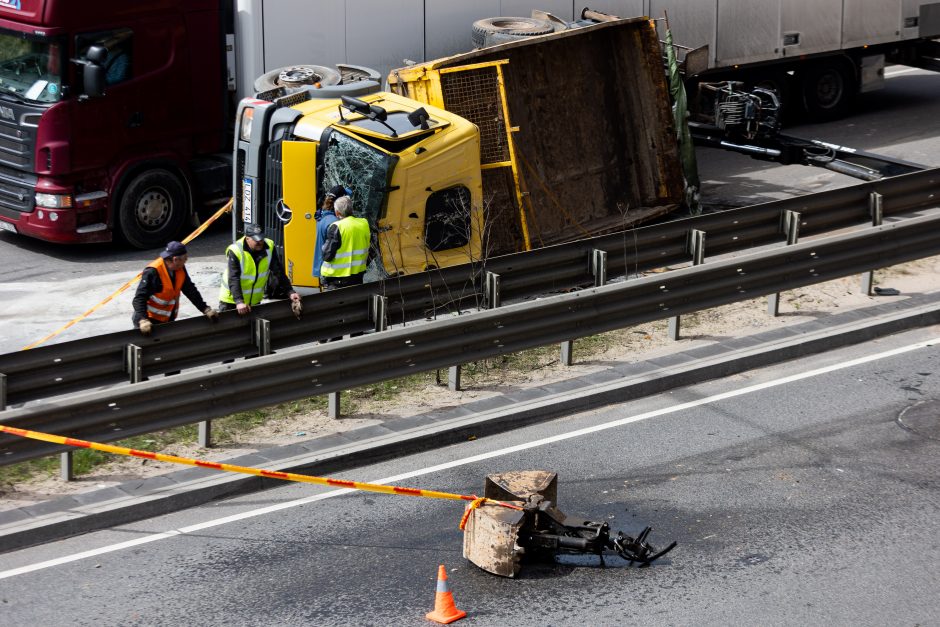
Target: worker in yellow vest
253, 269
349, 246
161, 283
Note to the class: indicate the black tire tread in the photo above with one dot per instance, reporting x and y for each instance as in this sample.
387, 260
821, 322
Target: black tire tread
513, 26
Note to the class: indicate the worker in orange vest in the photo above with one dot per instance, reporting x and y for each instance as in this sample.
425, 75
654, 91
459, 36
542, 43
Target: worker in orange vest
157, 298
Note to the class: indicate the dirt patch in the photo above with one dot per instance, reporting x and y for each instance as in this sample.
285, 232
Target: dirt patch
533, 368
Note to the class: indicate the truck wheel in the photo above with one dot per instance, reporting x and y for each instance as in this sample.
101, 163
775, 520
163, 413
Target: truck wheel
507, 29
295, 75
777, 81
152, 209
828, 89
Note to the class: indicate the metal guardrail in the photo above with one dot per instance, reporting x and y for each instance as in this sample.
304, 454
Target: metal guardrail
307, 371
99, 361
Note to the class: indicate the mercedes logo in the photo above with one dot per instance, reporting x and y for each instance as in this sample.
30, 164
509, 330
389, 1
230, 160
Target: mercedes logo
283, 211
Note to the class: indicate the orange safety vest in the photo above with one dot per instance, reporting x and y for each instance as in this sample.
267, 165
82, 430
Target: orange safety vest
162, 306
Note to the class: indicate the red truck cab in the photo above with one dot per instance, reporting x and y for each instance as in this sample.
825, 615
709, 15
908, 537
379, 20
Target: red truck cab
113, 117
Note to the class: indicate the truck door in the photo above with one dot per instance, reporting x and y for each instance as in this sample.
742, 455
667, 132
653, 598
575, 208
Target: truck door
99, 130
297, 210
439, 220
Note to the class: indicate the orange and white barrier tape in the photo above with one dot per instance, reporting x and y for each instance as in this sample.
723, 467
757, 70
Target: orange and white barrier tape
123, 288
260, 472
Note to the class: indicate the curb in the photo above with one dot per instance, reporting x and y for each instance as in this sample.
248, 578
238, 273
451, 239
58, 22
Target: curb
82, 513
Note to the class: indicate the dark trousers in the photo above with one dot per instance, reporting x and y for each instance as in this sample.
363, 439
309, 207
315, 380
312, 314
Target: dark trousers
334, 282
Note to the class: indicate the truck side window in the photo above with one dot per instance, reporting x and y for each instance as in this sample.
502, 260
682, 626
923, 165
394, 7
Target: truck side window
447, 218
120, 52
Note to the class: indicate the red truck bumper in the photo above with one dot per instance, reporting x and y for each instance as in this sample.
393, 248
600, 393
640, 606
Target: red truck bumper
40, 224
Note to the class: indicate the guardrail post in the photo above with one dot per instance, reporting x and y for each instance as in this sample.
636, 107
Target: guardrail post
205, 434
133, 362
3, 391
876, 211
263, 336
599, 270
453, 378
66, 467
333, 404
377, 308
695, 246
790, 224
490, 290
599, 266
490, 301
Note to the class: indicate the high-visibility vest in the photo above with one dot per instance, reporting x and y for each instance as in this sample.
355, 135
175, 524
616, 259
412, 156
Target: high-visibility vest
163, 305
353, 252
253, 279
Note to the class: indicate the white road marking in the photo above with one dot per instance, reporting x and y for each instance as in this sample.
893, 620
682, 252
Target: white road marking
466, 460
890, 73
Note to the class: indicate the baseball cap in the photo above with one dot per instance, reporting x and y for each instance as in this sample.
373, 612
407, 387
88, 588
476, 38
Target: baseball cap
255, 232
337, 191
173, 249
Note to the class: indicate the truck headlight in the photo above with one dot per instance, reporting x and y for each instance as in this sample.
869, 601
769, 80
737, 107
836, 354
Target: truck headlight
248, 116
53, 201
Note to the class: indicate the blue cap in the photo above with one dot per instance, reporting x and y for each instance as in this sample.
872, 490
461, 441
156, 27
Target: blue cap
173, 249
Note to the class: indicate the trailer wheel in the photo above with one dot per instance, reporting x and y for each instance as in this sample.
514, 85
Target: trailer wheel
298, 74
497, 30
828, 89
777, 81
152, 209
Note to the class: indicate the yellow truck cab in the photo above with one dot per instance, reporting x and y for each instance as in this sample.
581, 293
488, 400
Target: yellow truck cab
414, 172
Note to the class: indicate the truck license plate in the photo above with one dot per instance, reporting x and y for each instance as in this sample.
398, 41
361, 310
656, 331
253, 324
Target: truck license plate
6, 226
246, 200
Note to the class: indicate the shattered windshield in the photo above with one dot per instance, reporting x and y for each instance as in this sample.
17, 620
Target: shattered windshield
360, 167
30, 68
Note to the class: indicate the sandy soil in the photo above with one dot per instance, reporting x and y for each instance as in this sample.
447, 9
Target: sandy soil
491, 378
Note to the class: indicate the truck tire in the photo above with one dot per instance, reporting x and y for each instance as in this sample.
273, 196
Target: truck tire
310, 74
829, 87
507, 28
153, 208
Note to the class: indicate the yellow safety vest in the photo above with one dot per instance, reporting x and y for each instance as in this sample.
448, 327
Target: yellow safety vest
353, 252
253, 279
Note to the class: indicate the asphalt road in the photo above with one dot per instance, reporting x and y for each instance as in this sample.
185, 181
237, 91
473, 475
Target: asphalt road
44, 286
793, 491
900, 121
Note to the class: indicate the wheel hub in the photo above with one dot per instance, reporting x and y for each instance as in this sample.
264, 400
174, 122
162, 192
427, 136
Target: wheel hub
153, 208
829, 89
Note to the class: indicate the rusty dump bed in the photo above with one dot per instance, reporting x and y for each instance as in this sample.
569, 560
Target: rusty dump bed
595, 147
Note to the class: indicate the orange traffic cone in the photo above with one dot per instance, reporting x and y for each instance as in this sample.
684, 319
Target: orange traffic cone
444, 609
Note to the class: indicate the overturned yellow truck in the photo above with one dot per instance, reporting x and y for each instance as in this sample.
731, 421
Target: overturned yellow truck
498, 150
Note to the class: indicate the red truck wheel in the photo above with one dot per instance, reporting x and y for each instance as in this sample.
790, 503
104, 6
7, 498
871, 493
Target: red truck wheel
153, 207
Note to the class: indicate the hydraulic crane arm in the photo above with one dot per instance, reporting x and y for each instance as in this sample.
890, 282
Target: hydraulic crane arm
749, 123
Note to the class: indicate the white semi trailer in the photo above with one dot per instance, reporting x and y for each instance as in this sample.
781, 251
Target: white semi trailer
818, 53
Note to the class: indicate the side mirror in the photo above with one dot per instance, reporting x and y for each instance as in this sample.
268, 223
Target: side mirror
378, 113
93, 76
93, 72
97, 54
356, 105
419, 118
